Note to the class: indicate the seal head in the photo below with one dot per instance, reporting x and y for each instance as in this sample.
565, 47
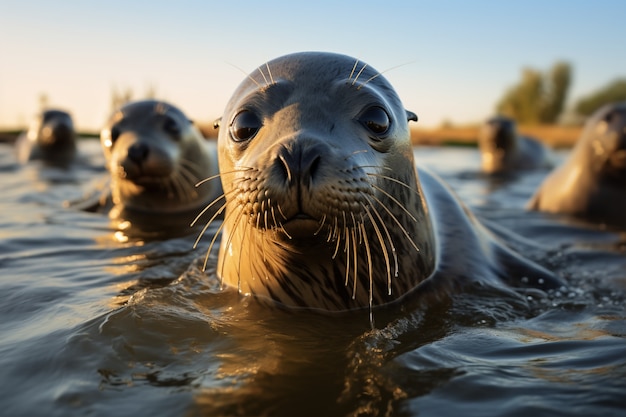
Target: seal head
503, 150
324, 207
51, 138
156, 156
321, 190
591, 183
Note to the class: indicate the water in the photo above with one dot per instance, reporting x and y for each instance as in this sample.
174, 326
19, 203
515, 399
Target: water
94, 322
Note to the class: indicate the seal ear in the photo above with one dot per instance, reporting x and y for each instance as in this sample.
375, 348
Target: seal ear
216, 123
411, 116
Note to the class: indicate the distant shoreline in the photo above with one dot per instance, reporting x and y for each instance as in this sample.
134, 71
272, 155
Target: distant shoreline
555, 136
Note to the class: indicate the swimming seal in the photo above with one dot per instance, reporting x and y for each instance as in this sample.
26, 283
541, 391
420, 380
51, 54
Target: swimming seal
502, 150
323, 206
50, 138
156, 156
591, 182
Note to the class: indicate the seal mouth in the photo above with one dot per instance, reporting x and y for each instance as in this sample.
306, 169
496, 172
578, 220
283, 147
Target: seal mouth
301, 225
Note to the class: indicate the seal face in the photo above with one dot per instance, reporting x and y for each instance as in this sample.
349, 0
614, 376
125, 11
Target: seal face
324, 208
591, 182
156, 157
321, 190
51, 138
503, 150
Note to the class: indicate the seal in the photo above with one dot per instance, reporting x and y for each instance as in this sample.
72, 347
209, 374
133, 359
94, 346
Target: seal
324, 207
50, 138
156, 156
502, 150
591, 183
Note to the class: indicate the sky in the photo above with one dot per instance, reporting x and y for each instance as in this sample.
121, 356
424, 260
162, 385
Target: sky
448, 60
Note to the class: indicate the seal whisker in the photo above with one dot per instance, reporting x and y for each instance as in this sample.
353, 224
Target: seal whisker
346, 250
247, 75
206, 226
241, 245
381, 73
356, 260
369, 270
383, 247
282, 229
208, 252
337, 245
204, 210
397, 181
263, 75
322, 222
281, 212
356, 153
395, 200
171, 192
193, 166
179, 183
353, 69
273, 213
388, 235
230, 238
183, 181
234, 171
265, 206
399, 223
359, 74
269, 72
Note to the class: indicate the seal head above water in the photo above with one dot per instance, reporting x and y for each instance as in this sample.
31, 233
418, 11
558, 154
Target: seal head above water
50, 138
323, 205
156, 156
503, 150
591, 182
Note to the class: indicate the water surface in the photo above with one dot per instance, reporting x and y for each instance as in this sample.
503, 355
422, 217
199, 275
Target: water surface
94, 322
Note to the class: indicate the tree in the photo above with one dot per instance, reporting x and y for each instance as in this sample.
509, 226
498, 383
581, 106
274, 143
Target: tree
610, 93
537, 98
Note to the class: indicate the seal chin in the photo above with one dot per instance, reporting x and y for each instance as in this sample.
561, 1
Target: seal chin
302, 226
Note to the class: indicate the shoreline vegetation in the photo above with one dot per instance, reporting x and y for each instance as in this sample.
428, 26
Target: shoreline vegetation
554, 136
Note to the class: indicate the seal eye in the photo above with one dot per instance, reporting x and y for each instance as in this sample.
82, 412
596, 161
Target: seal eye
171, 127
244, 126
376, 120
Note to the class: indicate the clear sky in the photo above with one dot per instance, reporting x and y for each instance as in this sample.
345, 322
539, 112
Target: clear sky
460, 55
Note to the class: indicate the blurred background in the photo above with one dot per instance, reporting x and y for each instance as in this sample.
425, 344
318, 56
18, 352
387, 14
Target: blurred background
454, 63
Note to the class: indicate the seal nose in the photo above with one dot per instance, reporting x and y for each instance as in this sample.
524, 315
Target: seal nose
138, 152
299, 163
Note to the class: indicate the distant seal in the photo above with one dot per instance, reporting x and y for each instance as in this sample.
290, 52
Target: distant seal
50, 138
156, 157
502, 150
591, 182
324, 209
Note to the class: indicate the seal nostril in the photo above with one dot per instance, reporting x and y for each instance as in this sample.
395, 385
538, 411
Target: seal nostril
310, 166
138, 152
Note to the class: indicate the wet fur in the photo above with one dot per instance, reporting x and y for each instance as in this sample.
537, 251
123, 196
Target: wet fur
374, 233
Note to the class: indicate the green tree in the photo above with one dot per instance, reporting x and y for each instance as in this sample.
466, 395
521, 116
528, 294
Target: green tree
537, 97
610, 93
556, 87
